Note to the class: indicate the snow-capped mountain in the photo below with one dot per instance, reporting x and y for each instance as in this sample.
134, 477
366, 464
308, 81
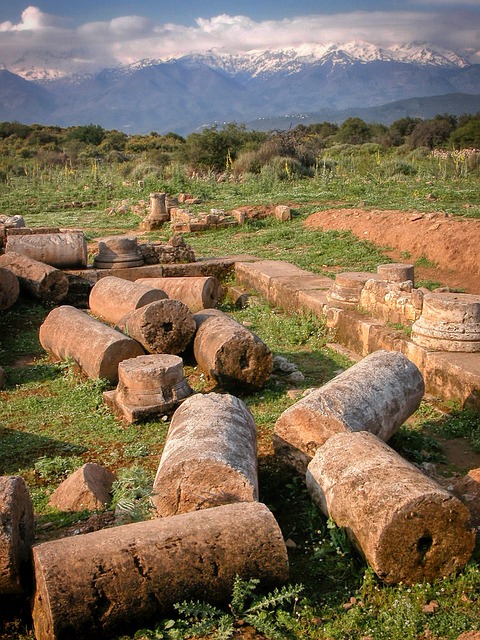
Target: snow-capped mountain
180, 94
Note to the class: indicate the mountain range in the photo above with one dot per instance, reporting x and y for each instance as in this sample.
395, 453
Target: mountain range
308, 84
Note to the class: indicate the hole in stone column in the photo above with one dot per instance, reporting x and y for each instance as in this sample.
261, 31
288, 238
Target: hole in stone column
244, 362
167, 327
424, 543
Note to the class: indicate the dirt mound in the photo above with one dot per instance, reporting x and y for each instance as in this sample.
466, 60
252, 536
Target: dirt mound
451, 245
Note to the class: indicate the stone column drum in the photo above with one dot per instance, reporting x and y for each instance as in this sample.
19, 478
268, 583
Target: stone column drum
377, 394
37, 279
408, 528
396, 272
9, 288
17, 533
118, 252
229, 352
112, 298
449, 322
68, 332
113, 581
345, 291
66, 250
210, 456
202, 292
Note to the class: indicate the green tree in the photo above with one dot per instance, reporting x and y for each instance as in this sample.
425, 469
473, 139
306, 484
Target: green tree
354, 131
468, 135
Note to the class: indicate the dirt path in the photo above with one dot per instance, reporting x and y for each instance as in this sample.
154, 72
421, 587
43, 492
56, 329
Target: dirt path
452, 245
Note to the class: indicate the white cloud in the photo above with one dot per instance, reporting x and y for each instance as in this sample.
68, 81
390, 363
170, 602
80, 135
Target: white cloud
127, 39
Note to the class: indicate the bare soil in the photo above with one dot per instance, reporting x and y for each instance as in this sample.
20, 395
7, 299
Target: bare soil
450, 244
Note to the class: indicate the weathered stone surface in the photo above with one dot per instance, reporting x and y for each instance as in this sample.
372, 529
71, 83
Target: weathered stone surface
396, 272
37, 279
117, 252
408, 528
148, 385
9, 288
377, 394
346, 290
97, 348
467, 489
87, 489
230, 353
17, 532
258, 275
158, 214
391, 301
113, 581
282, 213
209, 458
201, 292
164, 326
449, 322
113, 298
66, 250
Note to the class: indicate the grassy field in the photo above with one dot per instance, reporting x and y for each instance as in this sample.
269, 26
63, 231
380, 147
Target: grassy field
52, 420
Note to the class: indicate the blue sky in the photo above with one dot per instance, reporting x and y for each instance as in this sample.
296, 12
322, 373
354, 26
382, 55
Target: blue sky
92, 33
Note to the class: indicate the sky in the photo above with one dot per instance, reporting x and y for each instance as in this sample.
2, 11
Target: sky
96, 33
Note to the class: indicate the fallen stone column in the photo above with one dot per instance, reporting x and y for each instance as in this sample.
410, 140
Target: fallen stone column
164, 326
377, 394
210, 456
68, 332
67, 250
112, 581
229, 352
113, 298
37, 279
203, 292
9, 288
17, 532
408, 528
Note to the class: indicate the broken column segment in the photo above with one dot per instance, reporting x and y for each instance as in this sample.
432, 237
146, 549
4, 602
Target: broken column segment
449, 322
164, 326
230, 353
9, 288
68, 332
202, 292
210, 456
377, 394
147, 386
88, 488
37, 279
112, 298
158, 213
397, 272
112, 581
345, 291
65, 250
118, 252
408, 528
17, 533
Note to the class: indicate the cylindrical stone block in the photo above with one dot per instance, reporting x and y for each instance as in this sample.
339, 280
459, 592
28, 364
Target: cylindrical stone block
377, 394
17, 533
209, 458
158, 207
345, 291
449, 322
118, 252
112, 581
152, 380
68, 332
203, 292
112, 298
408, 528
164, 326
230, 353
9, 288
396, 272
67, 250
37, 279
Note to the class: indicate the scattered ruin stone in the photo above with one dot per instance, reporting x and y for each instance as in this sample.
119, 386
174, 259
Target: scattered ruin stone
345, 291
66, 250
113, 581
164, 326
87, 489
175, 251
377, 394
9, 288
449, 322
7, 223
36, 279
147, 386
68, 332
209, 458
230, 353
391, 301
183, 221
112, 298
118, 252
282, 213
158, 214
17, 532
240, 297
201, 292
408, 528
467, 489
396, 272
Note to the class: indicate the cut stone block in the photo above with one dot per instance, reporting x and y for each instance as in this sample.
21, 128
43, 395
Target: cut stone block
9, 288
37, 279
118, 252
203, 292
87, 489
396, 272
